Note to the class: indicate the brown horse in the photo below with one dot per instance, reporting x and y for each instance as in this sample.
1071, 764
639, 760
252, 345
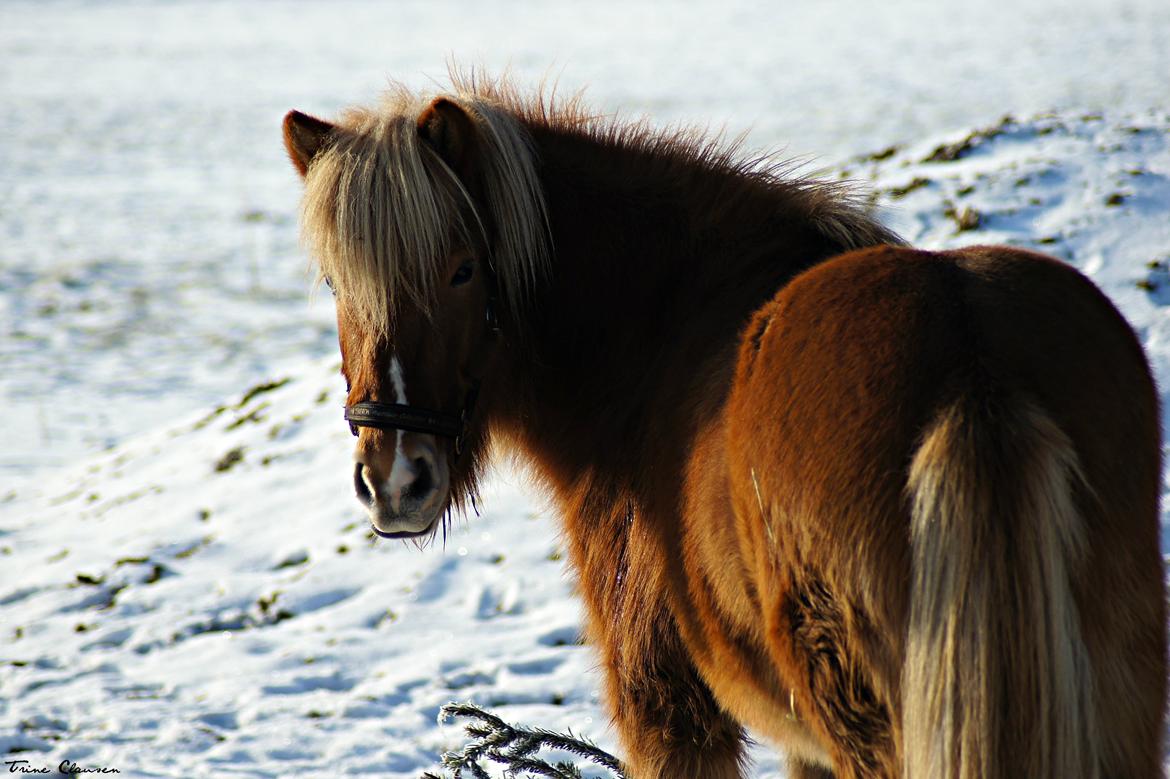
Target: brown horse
894, 510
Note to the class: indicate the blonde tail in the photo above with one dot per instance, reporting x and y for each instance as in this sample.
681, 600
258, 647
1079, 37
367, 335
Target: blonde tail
997, 681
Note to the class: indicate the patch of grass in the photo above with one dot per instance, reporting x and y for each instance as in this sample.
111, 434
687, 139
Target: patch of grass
212, 733
260, 389
207, 420
230, 459
917, 183
966, 218
157, 571
186, 552
254, 416
949, 152
111, 597
293, 560
884, 154
266, 602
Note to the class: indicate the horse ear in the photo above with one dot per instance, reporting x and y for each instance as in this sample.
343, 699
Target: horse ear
450, 132
304, 136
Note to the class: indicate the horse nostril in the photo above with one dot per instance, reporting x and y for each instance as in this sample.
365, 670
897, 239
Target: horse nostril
423, 482
359, 484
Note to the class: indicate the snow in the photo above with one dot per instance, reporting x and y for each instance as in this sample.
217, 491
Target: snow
187, 587
216, 605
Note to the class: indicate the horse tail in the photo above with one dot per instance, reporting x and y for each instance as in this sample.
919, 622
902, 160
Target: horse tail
997, 681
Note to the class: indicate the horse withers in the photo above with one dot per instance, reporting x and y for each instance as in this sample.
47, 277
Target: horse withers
896, 511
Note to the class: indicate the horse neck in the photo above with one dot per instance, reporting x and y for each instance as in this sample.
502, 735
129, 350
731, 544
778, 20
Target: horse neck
658, 265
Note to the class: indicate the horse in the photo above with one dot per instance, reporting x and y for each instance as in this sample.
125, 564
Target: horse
895, 511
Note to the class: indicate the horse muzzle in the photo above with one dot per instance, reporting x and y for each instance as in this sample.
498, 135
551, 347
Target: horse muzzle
403, 490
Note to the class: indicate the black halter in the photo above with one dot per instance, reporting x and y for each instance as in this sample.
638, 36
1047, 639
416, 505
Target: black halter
399, 416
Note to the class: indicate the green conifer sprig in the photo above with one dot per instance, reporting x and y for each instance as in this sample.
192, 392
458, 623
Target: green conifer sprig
516, 749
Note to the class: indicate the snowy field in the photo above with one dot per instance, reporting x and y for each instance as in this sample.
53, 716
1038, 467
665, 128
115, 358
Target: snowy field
186, 586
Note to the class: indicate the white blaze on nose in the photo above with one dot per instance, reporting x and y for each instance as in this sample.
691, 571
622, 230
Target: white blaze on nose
401, 473
397, 380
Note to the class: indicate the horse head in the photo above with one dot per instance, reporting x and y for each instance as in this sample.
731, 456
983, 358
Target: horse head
401, 214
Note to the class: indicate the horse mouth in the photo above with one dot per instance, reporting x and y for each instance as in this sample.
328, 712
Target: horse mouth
415, 521
391, 526
403, 534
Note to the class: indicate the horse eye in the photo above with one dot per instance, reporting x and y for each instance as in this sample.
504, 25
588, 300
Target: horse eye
464, 274
329, 283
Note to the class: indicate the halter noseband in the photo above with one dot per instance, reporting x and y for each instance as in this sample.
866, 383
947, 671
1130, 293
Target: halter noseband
398, 416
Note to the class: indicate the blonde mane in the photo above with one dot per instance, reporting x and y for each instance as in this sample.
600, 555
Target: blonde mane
382, 211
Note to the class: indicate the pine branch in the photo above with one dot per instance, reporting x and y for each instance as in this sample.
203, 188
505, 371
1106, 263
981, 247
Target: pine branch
516, 749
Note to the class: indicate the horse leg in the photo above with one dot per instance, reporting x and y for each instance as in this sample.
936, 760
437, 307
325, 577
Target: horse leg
840, 683
666, 716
